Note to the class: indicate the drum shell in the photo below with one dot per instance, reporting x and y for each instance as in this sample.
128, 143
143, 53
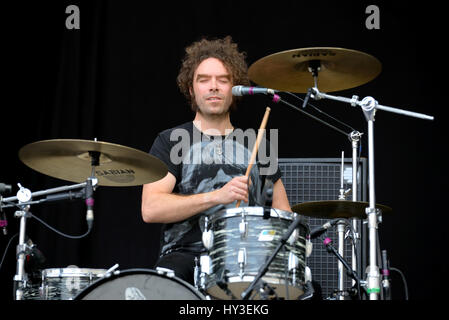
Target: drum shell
140, 284
61, 283
257, 243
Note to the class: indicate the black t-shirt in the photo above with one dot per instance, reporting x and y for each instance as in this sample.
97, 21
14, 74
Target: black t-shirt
203, 163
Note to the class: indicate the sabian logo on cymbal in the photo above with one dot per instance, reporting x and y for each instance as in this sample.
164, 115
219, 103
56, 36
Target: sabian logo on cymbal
114, 172
314, 53
117, 175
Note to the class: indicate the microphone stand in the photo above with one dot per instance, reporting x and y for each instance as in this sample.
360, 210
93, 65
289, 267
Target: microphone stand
352, 273
24, 202
353, 136
369, 106
245, 294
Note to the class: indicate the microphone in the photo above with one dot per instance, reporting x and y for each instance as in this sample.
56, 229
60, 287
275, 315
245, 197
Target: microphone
89, 203
244, 91
5, 188
320, 230
4, 223
306, 99
330, 248
386, 276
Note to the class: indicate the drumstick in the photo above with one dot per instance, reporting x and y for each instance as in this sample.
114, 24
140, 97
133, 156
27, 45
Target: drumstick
256, 146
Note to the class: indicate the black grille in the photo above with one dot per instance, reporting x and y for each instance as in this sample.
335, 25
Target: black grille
315, 180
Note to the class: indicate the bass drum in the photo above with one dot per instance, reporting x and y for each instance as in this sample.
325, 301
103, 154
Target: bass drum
140, 284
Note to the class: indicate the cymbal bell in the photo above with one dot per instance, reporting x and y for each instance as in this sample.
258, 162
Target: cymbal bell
70, 160
339, 69
331, 209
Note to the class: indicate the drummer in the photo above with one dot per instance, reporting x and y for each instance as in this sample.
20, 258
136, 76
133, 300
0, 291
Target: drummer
203, 156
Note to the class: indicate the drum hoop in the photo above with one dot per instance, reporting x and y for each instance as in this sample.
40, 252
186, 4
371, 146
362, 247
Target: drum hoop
254, 211
120, 273
72, 272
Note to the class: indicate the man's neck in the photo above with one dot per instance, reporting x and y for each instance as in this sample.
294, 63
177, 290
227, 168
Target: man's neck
213, 125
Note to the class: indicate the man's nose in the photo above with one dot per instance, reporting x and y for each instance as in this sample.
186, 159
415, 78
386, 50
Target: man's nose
213, 85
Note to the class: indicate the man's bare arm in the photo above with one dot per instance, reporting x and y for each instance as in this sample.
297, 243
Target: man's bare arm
160, 205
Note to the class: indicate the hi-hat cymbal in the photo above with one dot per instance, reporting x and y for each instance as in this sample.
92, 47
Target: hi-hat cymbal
69, 159
331, 209
339, 69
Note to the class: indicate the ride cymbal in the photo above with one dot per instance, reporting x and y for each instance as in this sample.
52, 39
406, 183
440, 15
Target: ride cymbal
71, 160
331, 209
338, 69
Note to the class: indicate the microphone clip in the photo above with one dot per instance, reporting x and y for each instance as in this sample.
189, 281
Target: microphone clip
306, 99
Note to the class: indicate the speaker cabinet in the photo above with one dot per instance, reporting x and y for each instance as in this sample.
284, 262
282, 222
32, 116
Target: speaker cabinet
318, 179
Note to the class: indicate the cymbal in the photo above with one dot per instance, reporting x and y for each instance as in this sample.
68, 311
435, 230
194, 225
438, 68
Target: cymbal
331, 209
339, 69
69, 159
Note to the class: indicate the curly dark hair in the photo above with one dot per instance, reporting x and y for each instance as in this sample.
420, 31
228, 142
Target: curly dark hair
224, 50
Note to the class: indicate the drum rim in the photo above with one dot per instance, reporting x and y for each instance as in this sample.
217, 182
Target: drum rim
256, 211
72, 272
116, 274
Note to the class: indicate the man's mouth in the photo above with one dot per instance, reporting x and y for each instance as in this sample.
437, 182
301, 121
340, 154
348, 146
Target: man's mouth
214, 98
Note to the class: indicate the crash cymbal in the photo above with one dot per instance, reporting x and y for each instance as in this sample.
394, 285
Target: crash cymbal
331, 209
69, 159
339, 69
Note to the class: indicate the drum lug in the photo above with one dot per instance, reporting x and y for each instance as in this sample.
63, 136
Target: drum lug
204, 271
309, 247
293, 237
307, 274
243, 227
205, 264
208, 239
293, 263
208, 235
241, 259
166, 272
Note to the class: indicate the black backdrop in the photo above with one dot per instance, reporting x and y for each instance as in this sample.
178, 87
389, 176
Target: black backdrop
114, 80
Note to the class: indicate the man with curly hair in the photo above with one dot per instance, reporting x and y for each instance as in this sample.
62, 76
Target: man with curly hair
206, 164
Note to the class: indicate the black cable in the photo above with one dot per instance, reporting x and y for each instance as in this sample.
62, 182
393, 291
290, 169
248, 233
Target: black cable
314, 117
59, 232
6, 249
379, 262
320, 111
403, 280
335, 119
55, 230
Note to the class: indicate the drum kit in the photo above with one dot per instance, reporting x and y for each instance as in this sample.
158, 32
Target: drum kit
252, 252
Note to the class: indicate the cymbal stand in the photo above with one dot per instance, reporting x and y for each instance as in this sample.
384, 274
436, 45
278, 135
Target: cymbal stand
21, 278
355, 138
341, 234
369, 106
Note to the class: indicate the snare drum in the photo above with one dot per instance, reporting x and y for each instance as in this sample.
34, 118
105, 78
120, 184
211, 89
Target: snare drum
62, 283
240, 241
140, 284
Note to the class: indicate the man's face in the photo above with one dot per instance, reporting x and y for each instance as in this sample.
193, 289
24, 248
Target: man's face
212, 87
